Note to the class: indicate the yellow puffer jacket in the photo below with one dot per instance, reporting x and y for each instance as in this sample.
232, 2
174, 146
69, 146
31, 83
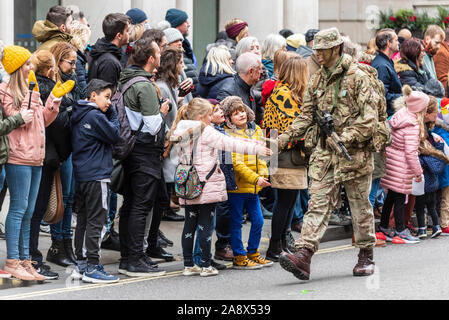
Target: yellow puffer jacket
248, 168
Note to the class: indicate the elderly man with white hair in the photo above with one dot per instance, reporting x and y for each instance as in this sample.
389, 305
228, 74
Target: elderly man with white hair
249, 70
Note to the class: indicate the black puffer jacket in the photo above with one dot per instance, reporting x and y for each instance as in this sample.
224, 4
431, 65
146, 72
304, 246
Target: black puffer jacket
409, 74
191, 72
209, 84
81, 73
237, 87
104, 62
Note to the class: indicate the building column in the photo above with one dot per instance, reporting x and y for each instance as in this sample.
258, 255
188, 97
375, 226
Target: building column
7, 21
300, 16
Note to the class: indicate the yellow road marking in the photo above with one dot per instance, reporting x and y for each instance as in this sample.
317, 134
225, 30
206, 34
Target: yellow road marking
35, 294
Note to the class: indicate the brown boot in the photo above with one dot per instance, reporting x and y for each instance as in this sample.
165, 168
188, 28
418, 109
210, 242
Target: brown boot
365, 265
297, 263
27, 265
14, 267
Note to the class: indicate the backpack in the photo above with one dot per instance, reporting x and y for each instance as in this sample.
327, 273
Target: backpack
127, 139
381, 137
188, 185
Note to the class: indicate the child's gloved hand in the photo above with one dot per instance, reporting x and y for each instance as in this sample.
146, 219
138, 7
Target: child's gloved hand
32, 78
60, 90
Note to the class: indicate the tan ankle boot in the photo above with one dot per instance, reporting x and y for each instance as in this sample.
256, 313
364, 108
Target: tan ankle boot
28, 265
14, 267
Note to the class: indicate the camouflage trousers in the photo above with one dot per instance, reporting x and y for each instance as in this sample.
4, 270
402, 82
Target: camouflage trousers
324, 196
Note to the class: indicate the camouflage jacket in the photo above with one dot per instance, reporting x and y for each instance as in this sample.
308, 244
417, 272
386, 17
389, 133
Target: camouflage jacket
354, 120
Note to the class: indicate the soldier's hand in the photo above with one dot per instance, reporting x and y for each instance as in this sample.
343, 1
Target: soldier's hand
263, 182
333, 145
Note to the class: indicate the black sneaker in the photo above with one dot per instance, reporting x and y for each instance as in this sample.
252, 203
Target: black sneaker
162, 236
140, 268
46, 272
123, 266
217, 265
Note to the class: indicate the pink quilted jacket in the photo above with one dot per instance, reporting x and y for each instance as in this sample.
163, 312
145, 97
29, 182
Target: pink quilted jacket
27, 143
402, 155
206, 156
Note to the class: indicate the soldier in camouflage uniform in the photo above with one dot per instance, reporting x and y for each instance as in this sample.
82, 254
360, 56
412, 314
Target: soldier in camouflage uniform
349, 101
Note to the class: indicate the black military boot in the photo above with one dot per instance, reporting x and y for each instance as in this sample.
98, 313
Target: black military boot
365, 265
56, 254
274, 250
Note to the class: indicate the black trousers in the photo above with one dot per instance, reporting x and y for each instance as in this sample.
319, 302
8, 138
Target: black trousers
140, 192
222, 226
398, 200
40, 208
163, 202
282, 213
91, 223
198, 216
428, 200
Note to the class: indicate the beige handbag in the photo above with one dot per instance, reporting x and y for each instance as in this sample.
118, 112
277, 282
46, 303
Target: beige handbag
55, 209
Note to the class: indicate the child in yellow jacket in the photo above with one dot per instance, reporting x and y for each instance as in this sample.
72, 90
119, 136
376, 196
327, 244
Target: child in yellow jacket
251, 175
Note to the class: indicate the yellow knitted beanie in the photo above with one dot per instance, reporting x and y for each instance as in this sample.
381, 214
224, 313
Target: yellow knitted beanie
13, 57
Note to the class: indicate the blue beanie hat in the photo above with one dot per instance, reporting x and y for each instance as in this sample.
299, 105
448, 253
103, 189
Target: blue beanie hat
176, 17
137, 16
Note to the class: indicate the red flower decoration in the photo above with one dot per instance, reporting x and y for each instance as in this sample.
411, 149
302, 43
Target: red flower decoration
412, 18
393, 18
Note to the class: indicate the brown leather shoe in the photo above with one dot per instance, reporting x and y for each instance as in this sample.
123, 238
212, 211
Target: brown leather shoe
381, 243
297, 263
365, 265
225, 254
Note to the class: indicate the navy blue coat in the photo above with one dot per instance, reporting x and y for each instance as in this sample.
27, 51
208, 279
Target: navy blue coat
226, 165
432, 168
93, 134
387, 74
209, 85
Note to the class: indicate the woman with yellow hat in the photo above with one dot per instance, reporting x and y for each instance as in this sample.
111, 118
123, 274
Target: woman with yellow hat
27, 151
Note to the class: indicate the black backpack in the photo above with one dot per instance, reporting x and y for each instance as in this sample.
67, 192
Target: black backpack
127, 138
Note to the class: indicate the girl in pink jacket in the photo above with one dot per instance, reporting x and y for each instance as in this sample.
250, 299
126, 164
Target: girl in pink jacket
27, 151
402, 160
195, 117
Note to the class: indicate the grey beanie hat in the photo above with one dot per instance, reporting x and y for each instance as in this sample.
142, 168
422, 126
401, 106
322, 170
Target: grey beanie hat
173, 35
434, 88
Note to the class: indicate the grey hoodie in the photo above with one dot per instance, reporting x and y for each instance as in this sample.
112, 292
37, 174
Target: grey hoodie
304, 51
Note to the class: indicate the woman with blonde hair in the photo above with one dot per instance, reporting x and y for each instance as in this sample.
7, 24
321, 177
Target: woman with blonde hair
80, 40
27, 150
215, 71
281, 109
271, 44
236, 29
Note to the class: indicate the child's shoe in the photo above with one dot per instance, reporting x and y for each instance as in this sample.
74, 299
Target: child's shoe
78, 272
192, 271
207, 272
96, 274
243, 263
422, 233
388, 233
407, 237
436, 231
15, 268
445, 231
4, 274
256, 257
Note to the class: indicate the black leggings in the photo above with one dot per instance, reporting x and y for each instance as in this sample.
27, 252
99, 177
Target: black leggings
198, 216
398, 200
282, 213
429, 200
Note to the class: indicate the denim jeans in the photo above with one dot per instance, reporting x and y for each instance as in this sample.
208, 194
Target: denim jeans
373, 194
237, 203
2, 178
197, 248
222, 225
23, 183
112, 210
301, 206
63, 229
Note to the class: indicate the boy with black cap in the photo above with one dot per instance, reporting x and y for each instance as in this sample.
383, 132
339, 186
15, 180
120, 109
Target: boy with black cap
95, 128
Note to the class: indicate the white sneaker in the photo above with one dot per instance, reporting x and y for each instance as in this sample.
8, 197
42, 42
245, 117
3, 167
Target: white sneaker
207, 272
191, 271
